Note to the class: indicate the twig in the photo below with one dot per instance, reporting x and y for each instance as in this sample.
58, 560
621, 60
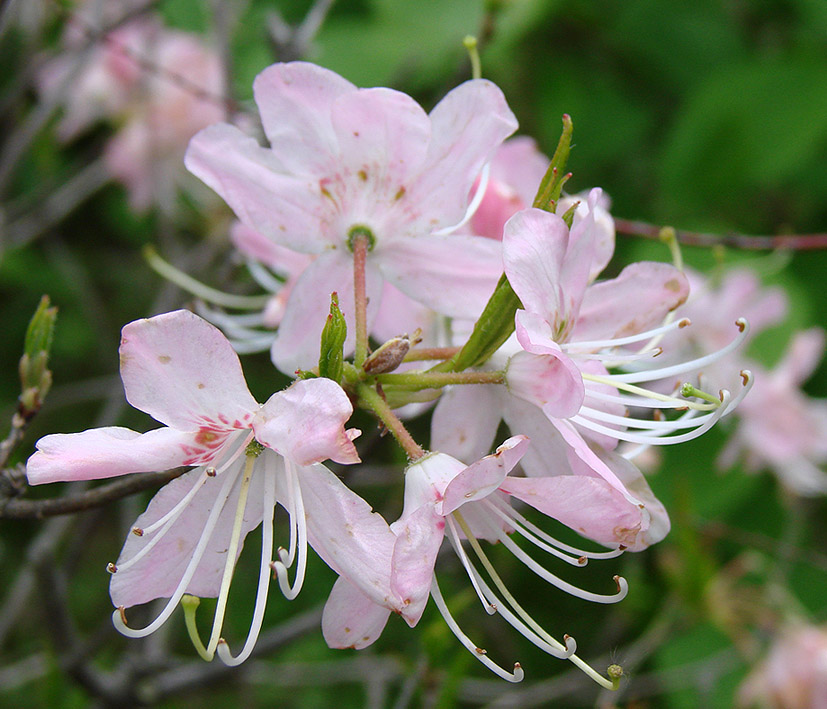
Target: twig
291, 43
35, 509
795, 242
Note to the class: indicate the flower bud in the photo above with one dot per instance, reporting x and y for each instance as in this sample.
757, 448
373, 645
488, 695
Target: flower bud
331, 355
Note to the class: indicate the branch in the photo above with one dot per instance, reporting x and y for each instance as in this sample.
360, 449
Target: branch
28, 509
795, 242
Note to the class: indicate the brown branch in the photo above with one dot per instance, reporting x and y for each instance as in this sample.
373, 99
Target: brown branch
794, 242
36, 509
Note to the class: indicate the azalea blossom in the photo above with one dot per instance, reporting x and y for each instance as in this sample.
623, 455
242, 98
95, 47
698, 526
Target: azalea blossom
446, 498
246, 457
344, 163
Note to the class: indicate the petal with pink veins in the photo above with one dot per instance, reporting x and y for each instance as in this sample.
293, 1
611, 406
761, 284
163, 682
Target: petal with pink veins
465, 421
183, 372
105, 453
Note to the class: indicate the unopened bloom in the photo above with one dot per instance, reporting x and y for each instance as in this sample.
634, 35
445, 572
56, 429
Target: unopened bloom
346, 162
247, 457
446, 498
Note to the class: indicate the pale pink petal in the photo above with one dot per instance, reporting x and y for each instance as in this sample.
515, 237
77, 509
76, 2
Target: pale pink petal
454, 275
297, 343
305, 423
802, 357
350, 618
183, 372
580, 257
594, 367
465, 420
383, 135
348, 535
159, 572
519, 164
481, 478
255, 245
551, 382
603, 237
295, 101
534, 248
418, 538
637, 300
427, 478
588, 505
400, 314
548, 453
467, 126
105, 453
285, 208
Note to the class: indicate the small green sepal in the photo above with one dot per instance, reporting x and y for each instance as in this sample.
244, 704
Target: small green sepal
331, 354
551, 186
35, 377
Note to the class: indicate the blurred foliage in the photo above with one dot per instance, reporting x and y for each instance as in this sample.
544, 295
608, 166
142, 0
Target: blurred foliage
705, 115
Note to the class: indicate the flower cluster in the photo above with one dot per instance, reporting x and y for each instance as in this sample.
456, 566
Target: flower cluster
366, 217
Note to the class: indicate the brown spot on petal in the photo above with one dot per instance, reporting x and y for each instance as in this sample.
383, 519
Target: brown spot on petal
201, 385
363, 176
164, 359
673, 285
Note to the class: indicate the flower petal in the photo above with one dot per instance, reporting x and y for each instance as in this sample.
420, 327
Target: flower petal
637, 300
454, 275
467, 126
552, 382
383, 137
295, 101
255, 245
534, 247
350, 618
297, 343
418, 538
158, 573
105, 453
183, 372
483, 477
465, 421
285, 208
348, 535
588, 505
305, 423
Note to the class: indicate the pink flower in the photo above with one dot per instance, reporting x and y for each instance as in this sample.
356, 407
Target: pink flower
446, 498
793, 675
344, 161
183, 372
780, 427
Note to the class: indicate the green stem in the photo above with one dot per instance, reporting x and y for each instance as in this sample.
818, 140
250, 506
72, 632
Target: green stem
431, 380
371, 398
424, 354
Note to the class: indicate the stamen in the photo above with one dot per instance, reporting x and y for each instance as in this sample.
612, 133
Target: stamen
611, 381
190, 604
264, 277
551, 540
453, 536
232, 553
645, 403
614, 359
518, 673
297, 514
200, 290
574, 561
689, 366
619, 341
119, 617
269, 510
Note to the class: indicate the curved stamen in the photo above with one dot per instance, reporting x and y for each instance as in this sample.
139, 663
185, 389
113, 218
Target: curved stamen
689, 366
453, 537
573, 560
612, 359
546, 575
551, 540
200, 290
268, 512
297, 513
619, 341
648, 424
660, 439
477, 652
264, 276
610, 381
118, 616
